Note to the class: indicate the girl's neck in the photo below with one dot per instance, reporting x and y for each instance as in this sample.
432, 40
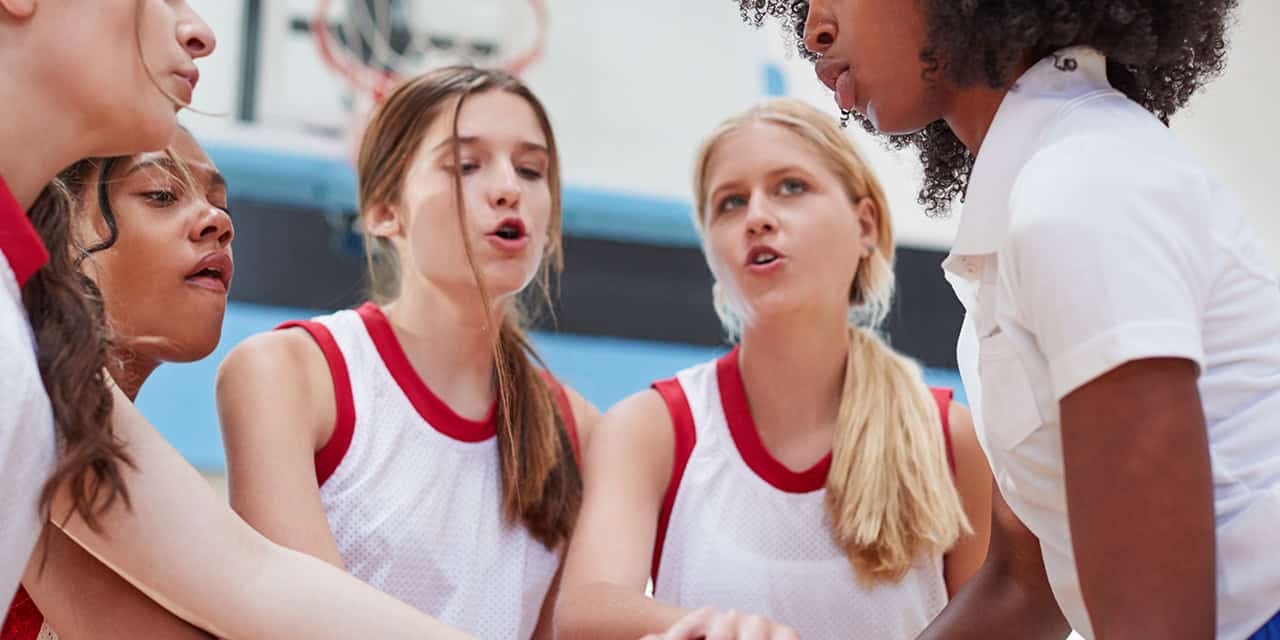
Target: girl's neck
34, 148
793, 372
131, 370
449, 342
971, 110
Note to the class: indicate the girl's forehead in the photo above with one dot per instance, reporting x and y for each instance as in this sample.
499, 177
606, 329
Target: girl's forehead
488, 116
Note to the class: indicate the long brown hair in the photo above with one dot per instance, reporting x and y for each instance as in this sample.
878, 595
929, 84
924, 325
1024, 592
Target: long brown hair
72, 351
73, 343
541, 485
890, 494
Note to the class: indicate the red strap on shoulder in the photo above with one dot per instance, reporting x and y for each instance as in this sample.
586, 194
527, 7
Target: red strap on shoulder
566, 413
24, 619
330, 455
943, 398
685, 437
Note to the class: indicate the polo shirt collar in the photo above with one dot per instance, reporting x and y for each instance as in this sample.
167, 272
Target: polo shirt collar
1014, 136
19, 242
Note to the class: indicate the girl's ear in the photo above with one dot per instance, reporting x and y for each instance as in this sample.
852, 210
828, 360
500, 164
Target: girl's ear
380, 220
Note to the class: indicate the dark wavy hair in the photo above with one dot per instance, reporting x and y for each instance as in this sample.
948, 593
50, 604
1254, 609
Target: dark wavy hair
74, 348
74, 342
1159, 53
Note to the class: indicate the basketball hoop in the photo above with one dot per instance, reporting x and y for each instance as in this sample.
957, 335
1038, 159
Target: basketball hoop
374, 44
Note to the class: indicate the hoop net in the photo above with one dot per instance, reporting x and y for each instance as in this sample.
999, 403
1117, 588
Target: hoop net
374, 44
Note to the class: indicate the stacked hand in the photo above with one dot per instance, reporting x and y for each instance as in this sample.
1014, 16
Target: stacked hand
725, 625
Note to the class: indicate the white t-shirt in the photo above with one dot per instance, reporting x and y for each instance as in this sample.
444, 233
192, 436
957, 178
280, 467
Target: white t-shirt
27, 442
1091, 238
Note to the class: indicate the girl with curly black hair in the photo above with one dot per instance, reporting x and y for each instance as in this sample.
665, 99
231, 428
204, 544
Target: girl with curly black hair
152, 233
1122, 339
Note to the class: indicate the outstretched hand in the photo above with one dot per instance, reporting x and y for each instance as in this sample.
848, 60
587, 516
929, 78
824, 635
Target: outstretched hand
710, 624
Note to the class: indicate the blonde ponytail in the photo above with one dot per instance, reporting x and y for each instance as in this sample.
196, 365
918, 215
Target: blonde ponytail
890, 494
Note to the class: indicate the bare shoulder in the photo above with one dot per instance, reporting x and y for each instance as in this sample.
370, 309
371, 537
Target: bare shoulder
973, 474
585, 416
964, 438
636, 432
285, 358
283, 372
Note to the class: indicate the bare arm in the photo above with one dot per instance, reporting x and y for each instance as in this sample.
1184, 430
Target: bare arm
81, 599
627, 468
276, 406
546, 616
973, 481
1141, 427
586, 416
1009, 596
180, 545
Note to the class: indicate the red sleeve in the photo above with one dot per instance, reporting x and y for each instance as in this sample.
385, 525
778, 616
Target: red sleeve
330, 455
943, 398
24, 619
685, 437
566, 413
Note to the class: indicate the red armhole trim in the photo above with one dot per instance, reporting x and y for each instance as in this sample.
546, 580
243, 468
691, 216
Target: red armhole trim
24, 619
566, 413
685, 437
330, 455
943, 398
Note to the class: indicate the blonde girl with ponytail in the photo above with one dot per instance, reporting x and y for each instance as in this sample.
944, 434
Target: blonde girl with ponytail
809, 479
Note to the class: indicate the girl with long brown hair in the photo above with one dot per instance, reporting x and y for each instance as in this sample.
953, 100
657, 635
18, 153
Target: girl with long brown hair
73, 449
809, 478
415, 441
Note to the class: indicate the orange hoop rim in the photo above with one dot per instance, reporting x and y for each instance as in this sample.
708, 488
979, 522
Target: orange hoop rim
379, 82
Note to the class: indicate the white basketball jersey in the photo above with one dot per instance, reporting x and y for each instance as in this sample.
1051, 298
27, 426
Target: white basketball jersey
741, 531
412, 490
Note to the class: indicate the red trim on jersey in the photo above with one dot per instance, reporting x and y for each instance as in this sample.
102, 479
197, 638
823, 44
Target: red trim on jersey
566, 413
685, 437
432, 409
742, 426
943, 398
331, 454
24, 619
19, 242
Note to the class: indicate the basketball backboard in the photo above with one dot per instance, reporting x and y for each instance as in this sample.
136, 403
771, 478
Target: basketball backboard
631, 87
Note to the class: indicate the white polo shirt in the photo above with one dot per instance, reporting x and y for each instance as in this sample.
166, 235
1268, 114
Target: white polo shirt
27, 441
1090, 237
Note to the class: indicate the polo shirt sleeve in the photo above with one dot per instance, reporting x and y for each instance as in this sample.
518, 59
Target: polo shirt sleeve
1108, 258
27, 441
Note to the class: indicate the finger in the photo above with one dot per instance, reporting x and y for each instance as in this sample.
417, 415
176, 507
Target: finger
691, 626
724, 626
784, 633
754, 628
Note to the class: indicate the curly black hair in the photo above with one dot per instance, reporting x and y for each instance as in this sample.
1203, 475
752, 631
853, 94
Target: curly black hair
1159, 53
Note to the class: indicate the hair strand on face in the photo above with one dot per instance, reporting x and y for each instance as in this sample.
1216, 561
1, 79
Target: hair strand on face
541, 485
